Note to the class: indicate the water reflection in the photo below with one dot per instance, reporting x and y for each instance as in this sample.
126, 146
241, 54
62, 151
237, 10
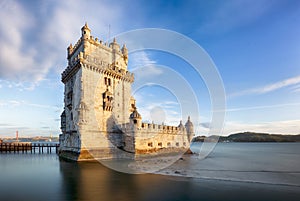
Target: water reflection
92, 181
45, 177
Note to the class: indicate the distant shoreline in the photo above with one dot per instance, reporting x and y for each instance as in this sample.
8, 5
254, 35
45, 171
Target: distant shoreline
29, 139
249, 137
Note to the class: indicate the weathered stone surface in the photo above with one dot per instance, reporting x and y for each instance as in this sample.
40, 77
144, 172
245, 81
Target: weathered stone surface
100, 119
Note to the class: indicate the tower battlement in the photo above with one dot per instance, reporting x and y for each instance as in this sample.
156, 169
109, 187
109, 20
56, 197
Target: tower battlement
99, 56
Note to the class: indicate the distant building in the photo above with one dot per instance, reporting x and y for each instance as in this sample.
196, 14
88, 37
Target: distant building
100, 118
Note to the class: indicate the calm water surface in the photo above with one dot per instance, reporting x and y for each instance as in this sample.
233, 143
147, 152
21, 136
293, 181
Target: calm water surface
234, 171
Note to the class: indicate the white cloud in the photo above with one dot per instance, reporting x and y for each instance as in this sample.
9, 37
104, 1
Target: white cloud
21, 86
296, 88
268, 88
15, 55
158, 112
142, 59
34, 42
17, 103
261, 107
275, 127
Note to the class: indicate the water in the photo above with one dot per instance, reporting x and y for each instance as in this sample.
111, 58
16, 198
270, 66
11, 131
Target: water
234, 171
272, 163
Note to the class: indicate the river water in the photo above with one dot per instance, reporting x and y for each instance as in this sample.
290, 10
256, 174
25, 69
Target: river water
233, 171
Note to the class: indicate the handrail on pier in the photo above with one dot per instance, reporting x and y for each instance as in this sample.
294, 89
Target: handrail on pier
28, 147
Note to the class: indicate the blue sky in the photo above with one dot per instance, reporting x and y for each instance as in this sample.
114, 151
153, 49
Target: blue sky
255, 46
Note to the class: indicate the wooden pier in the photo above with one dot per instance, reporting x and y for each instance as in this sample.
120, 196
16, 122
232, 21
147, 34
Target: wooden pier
24, 147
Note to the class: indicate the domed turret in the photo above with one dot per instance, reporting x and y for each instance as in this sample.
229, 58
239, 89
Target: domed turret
85, 32
114, 45
70, 49
189, 129
125, 53
180, 126
124, 50
136, 118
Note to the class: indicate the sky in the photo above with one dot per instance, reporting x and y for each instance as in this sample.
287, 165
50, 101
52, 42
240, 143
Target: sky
255, 46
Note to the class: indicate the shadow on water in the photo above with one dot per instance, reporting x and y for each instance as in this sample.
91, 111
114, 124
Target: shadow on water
93, 181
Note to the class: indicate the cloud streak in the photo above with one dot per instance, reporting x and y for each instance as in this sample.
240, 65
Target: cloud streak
261, 107
142, 59
159, 111
268, 88
17, 103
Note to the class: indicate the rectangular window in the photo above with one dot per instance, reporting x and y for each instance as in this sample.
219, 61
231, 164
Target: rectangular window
69, 96
150, 144
159, 144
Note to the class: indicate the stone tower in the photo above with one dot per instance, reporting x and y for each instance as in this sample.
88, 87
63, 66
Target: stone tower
97, 86
100, 118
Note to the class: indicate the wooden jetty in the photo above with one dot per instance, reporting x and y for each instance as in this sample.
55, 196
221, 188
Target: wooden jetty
28, 147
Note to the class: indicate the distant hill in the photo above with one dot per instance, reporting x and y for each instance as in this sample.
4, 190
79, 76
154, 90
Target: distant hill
252, 137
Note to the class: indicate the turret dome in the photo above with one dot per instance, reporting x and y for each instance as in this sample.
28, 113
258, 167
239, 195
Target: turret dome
189, 123
135, 114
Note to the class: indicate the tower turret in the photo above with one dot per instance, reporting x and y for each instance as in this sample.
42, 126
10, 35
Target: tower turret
180, 126
85, 32
189, 129
114, 45
125, 53
135, 118
70, 50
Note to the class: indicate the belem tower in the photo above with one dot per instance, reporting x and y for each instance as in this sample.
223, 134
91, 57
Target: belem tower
100, 118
